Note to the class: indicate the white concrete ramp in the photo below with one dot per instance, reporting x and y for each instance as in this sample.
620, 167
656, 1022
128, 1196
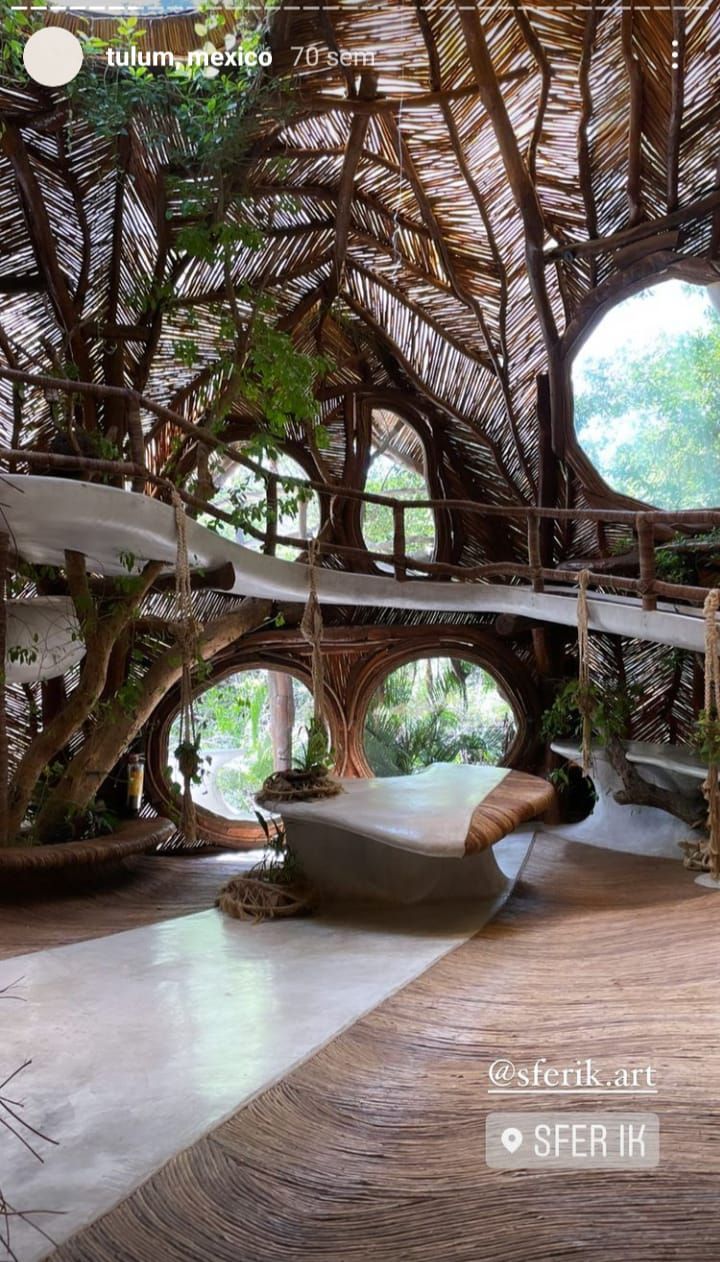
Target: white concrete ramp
46, 516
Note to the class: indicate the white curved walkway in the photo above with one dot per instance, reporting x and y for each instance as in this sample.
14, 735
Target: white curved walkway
46, 516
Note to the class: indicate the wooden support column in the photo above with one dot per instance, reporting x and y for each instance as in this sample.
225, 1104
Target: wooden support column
4, 773
399, 542
548, 476
271, 527
547, 640
534, 562
645, 527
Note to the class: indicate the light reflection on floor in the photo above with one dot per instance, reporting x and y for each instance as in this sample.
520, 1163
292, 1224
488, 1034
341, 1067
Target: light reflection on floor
143, 1041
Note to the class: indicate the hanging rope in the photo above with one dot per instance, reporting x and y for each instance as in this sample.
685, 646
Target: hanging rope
305, 784
311, 629
187, 635
585, 705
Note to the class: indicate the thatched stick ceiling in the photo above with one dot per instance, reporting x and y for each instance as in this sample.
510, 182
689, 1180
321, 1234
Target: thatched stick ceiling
453, 208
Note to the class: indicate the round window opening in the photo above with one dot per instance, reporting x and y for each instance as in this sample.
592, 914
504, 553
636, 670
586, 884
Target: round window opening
251, 724
437, 709
646, 387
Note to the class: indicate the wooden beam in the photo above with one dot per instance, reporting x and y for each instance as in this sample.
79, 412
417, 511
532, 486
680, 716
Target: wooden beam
395, 105
23, 283
696, 209
540, 56
586, 114
677, 103
635, 115
356, 140
548, 479
519, 178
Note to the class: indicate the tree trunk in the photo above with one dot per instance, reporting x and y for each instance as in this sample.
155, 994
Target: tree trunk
117, 728
100, 637
639, 792
282, 718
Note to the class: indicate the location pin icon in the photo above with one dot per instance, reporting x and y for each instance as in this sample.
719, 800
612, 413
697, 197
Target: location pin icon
511, 1139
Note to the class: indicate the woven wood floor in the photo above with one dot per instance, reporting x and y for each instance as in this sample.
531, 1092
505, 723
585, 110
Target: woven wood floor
373, 1150
145, 889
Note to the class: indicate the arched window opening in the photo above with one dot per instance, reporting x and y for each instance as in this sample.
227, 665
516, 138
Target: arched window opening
646, 396
437, 709
251, 724
397, 469
243, 494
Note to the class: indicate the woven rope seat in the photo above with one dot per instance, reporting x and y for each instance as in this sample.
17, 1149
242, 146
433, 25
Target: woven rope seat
134, 837
407, 839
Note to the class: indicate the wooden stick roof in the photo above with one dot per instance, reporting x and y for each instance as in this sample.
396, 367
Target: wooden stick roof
456, 205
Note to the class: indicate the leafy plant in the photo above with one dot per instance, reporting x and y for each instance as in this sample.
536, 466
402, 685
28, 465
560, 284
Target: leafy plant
707, 737
94, 820
611, 711
280, 863
189, 760
316, 752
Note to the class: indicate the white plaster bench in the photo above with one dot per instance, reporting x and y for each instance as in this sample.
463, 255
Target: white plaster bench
420, 838
645, 828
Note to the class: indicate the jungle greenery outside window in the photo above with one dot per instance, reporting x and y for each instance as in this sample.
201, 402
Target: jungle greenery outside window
397, 469
244, 493
437, 709
251, 723
646, 387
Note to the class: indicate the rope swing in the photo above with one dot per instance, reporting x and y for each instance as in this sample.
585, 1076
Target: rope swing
585, 702
187, 637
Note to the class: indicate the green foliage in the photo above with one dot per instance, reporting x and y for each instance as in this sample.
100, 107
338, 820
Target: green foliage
689, 558
438, 710
243, 498
17, 26
673, 567
189, 760
649, 417
235, 714
280, 863
96, 820
278, 380
386, 476
611, 711
560, 779
316, 752
707, 737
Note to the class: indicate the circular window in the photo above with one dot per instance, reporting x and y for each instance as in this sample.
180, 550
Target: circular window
436, 709
645, 385
251, 724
